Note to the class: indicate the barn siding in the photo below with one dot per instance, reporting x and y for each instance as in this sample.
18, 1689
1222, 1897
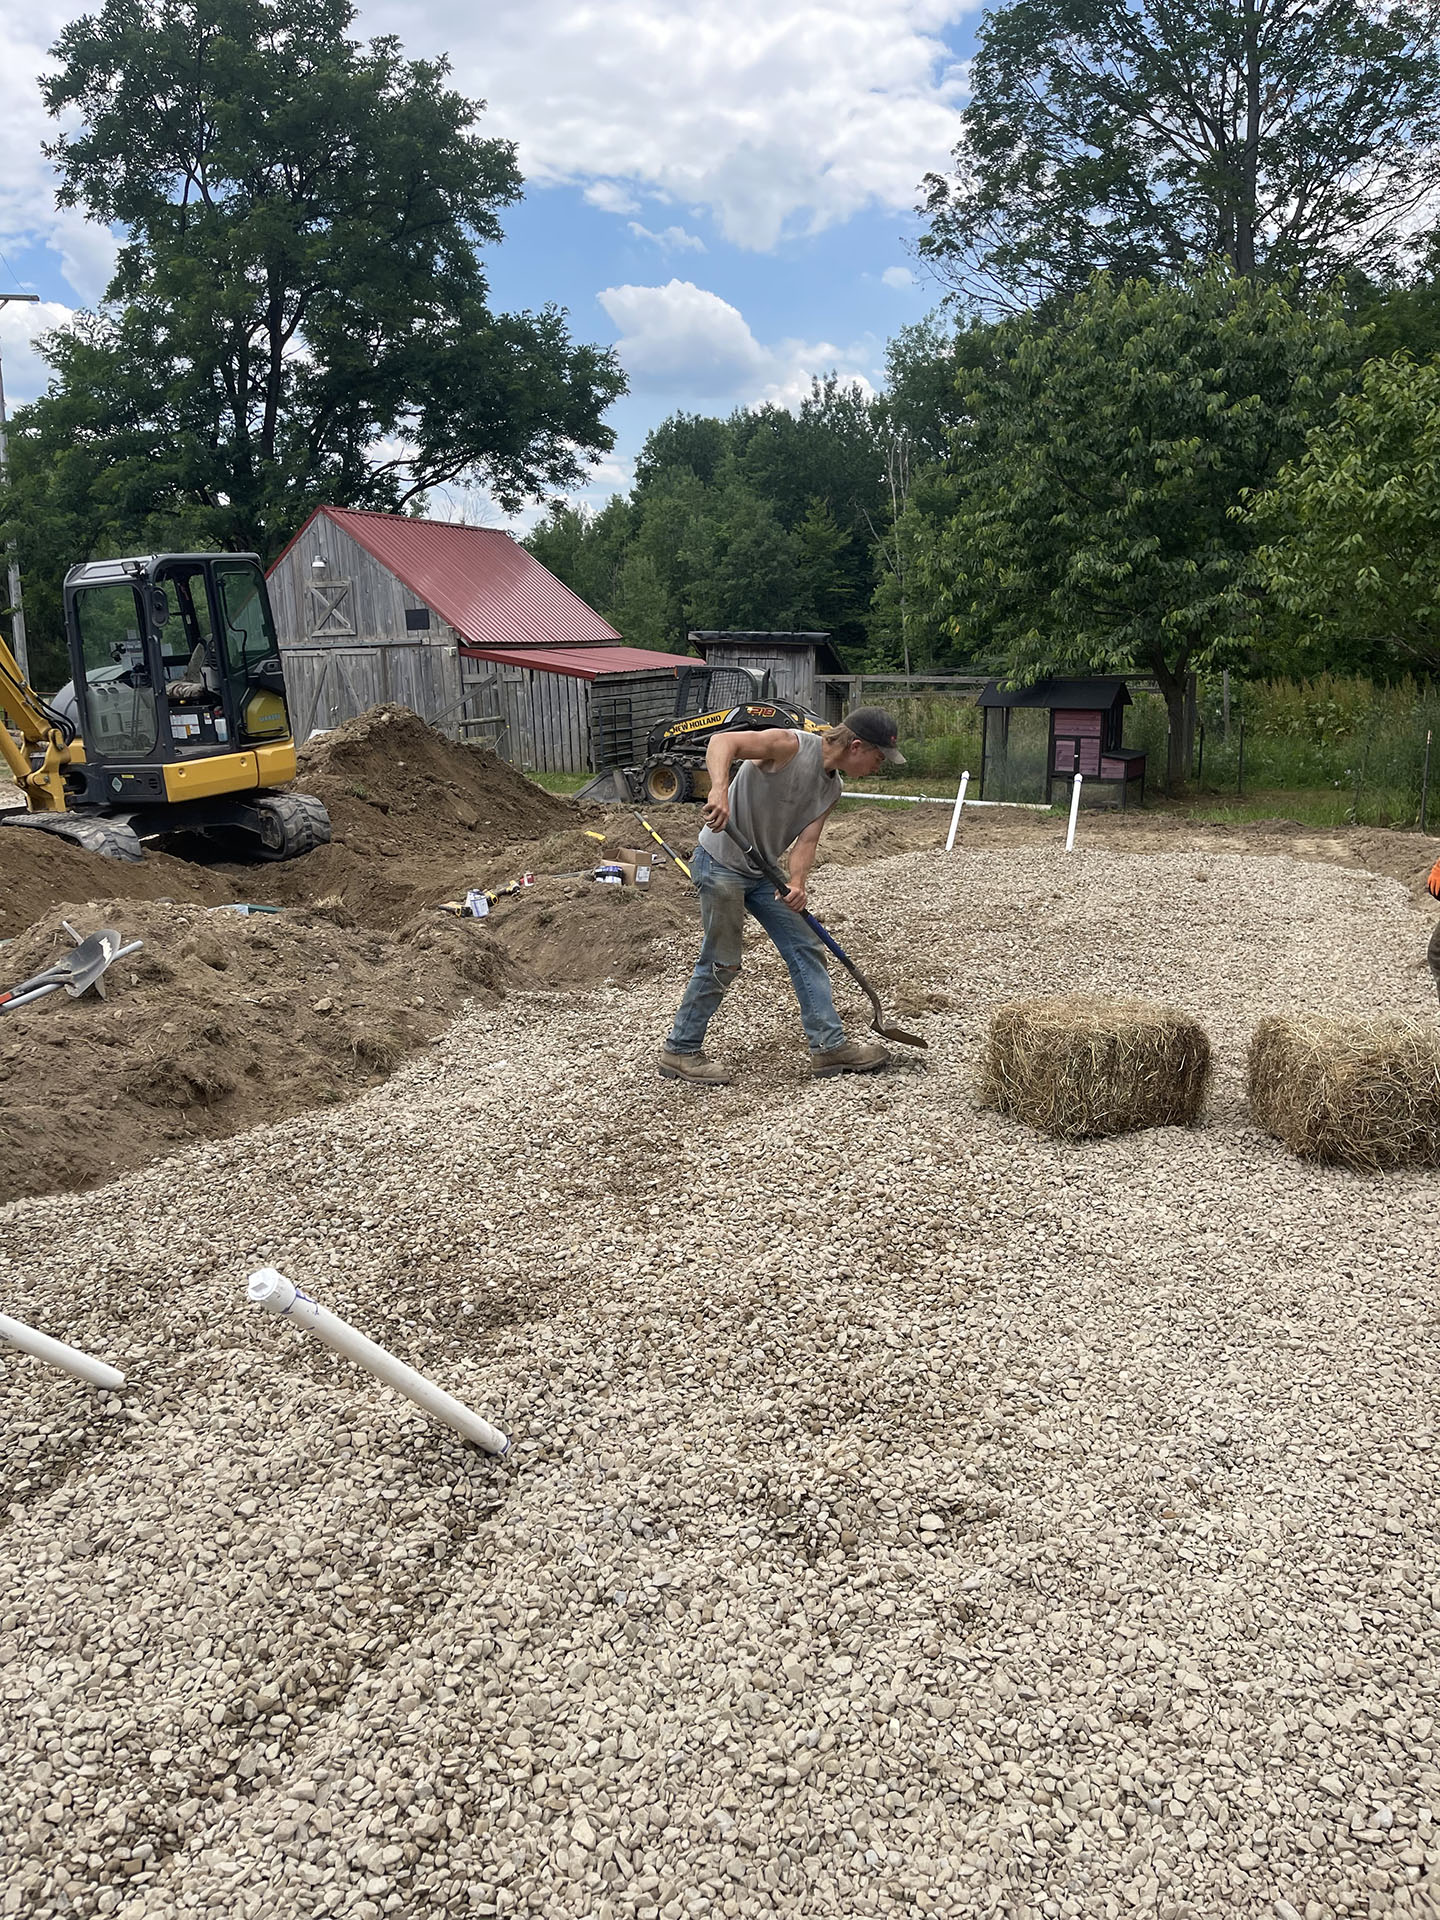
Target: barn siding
793, 668
543, 722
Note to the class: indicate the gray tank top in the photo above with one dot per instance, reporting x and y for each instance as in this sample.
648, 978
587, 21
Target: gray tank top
772, 810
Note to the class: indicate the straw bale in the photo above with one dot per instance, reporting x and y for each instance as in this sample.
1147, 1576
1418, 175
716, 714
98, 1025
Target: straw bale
1080, 1064
1357, 1093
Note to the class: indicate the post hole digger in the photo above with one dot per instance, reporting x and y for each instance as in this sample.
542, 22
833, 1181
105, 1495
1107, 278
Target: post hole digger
777, 879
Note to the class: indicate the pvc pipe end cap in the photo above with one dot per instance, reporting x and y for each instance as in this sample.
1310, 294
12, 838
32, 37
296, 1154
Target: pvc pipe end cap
268, 1287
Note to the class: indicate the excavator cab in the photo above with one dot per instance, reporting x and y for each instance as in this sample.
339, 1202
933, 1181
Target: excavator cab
175, 664
175, 718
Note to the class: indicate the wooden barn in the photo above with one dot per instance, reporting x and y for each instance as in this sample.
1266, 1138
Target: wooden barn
799, 664
459, 623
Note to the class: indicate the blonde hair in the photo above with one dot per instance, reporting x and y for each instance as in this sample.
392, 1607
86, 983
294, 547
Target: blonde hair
839, 735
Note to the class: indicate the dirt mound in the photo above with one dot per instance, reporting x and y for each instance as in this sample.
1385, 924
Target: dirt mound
39, 870
390, 773
222, 1020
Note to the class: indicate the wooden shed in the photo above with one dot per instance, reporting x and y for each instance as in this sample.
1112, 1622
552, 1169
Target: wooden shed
1054, 730
460, 623
799, 664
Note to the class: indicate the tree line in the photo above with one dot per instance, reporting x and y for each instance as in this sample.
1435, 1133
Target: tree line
1180, 409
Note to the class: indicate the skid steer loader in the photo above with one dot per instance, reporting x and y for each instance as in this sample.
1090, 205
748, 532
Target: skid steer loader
708, 700
174, 718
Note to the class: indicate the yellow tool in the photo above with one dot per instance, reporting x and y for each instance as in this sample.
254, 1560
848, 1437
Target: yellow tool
660, 843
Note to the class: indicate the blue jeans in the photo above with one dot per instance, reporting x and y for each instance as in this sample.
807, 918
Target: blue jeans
725, 898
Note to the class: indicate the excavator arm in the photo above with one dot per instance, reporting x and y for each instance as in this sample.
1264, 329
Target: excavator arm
21, 709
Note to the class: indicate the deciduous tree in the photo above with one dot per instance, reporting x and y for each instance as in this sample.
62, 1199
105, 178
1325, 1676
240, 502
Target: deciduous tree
1144, 137
1352, 528
299, 312
1097, 478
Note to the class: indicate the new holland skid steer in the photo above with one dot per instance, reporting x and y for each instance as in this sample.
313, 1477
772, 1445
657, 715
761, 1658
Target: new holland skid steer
175, 717
669, 763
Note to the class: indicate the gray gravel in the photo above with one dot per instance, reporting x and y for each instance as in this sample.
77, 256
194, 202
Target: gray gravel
907, 1513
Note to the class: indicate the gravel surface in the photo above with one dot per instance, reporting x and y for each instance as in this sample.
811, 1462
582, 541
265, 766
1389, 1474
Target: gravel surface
907, 1513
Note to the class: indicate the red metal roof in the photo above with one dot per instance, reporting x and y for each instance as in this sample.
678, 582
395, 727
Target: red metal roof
581, 663
480, 581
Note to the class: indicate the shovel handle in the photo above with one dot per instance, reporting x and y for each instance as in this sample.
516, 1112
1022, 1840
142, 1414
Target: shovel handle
782, 886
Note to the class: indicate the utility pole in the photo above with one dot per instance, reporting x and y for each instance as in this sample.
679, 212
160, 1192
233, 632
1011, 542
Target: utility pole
17, 610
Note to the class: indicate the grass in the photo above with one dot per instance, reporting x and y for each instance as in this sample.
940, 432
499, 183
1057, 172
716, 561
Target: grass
1329, 752
559, 782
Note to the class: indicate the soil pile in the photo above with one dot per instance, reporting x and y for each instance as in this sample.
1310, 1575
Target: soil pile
426, 788
221, 1021
39, 870
415, 816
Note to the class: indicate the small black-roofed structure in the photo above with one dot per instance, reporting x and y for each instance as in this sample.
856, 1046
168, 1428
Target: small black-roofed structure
1086, 719
798, 663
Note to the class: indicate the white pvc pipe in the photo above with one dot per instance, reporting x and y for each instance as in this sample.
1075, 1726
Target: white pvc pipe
1075, 787
68, 1359
943, 800
955, 817
270, 1289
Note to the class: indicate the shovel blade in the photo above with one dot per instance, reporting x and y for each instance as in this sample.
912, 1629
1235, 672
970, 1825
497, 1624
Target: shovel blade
899, 1035
83, 967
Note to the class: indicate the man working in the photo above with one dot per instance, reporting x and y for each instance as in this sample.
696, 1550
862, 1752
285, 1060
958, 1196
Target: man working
781, 797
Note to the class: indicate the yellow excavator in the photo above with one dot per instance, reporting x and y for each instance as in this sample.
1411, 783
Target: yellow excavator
174, 720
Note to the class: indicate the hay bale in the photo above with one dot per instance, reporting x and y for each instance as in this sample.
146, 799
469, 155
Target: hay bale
1356, 1093
1081, 1064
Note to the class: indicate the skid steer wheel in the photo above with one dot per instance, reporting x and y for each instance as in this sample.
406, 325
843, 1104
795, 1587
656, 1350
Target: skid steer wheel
666, 781
291, 824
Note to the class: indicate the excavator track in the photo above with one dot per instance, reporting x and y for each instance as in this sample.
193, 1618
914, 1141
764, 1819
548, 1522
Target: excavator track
112, 839
291, 824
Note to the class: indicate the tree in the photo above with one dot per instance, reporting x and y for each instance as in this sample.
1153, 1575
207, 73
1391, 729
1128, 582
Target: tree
1096, 480
1352, 527
1146, 137
299, 311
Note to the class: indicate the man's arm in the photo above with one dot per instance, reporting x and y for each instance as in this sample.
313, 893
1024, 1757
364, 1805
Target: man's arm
802, 859
771, 749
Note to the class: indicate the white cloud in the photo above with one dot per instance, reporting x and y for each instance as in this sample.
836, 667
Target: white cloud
25, 373
774, 115
611, 197
673, 239
28, 215
686, 342
897, 277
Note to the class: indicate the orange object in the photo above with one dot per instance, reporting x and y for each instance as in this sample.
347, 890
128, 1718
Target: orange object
1432, 885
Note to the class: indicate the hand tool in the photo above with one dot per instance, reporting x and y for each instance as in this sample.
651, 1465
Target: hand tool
661, 843
782, 886
75, 971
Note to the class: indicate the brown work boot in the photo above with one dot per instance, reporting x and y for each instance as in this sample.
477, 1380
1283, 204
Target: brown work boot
694, 1067
856, 1056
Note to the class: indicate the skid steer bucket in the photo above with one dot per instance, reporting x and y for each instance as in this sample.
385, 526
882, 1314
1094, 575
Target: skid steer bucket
612, 787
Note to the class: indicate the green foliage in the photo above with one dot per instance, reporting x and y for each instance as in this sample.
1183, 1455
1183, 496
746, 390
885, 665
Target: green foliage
764, 520
299, 312
1095, 477
1145, 138
1352, 527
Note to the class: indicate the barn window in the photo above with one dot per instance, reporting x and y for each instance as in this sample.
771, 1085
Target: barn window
417, 619
332, 611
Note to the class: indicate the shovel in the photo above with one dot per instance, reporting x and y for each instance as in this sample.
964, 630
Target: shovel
778, 881
76, 971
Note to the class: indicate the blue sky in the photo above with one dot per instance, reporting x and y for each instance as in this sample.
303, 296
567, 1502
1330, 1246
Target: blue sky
722, 189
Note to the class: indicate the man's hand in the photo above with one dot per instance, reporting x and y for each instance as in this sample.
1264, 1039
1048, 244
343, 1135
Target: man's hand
796, 896
716, 809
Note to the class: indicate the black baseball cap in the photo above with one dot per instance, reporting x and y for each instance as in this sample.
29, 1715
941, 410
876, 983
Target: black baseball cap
877, 729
